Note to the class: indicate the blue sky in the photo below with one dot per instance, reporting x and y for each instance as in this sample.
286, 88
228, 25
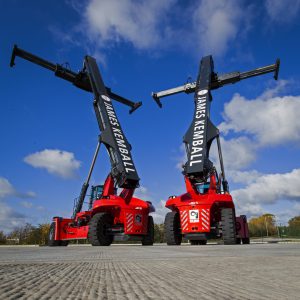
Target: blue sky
49, 131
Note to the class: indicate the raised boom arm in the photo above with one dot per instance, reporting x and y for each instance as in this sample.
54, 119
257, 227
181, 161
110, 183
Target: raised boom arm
123, 170
79, 79
202, 131
218, 81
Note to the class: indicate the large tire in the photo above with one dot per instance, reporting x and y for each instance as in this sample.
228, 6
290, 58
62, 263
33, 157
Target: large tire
148, 239
228, 226
202, 242
63, 243
194, 242
51, 241
246, 241
172, 228
98, 235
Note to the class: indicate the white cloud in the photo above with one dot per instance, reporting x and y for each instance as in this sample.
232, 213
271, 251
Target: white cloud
217, 23
9, 218
26, 204
137, 22
61, 163
271, 121
160, 212
142, 193
206, 26
237, 153
245, 177
6, 189
282, 11
269, 189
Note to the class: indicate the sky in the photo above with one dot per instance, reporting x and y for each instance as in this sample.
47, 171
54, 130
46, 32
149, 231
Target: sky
49, 131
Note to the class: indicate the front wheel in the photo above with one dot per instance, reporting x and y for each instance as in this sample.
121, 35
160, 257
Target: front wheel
172, 228
148, 239
99, 225
228, 226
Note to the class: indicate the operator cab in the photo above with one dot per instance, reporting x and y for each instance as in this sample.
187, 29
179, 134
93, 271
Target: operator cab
202, 187
96, 192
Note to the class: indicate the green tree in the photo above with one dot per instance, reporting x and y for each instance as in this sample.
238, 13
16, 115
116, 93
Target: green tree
264, 225
159, 233
294, 227
2, 238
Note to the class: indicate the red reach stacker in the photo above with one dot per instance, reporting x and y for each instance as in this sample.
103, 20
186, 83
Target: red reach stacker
206, 210
110, 216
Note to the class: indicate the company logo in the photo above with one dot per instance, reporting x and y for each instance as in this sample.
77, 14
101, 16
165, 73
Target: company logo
194, 215
105, 98
202, 92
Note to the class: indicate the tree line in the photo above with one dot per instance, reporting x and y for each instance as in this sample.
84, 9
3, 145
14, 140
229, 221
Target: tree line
266, 225
262, 226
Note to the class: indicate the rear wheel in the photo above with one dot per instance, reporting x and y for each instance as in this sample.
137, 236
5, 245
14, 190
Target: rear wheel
148, 239
51, 241
172, 228
98, 234
228, 226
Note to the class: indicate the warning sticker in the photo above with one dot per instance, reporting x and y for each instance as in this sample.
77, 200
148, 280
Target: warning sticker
194, 215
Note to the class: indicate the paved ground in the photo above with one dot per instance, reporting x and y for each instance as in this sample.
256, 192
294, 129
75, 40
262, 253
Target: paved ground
265, 271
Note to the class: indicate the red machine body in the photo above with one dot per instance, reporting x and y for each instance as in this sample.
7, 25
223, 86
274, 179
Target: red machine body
206, 210
109, 217
198, 212
130, 216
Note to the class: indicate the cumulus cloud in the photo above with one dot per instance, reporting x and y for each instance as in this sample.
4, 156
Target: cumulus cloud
271, 121
282, 11
237, 153
57, 162
154, 25
26, 204
137, 22
160, 212
142, 193
9, 218
269, 189
245, 177
6, 188
217, 23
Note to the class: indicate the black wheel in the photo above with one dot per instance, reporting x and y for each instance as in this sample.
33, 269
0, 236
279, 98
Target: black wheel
98, 234
51, 241
202, 242
148, 239
194, 243
228, 226
63, 243
238, 241
246, 241
172, 228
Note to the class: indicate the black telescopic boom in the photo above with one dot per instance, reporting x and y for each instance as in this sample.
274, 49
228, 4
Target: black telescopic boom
218, 81
79, 79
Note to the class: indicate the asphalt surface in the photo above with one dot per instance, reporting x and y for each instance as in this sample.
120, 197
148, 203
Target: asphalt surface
257, 271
